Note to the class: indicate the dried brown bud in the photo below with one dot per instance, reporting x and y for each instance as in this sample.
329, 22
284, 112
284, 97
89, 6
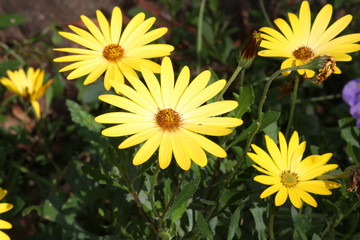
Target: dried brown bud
354, 176
323, 66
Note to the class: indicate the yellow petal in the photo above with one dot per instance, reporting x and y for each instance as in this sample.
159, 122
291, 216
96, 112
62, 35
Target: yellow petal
195, 87
138, 138
315, 186
125, 104
333, 30
207, 130
131, 26
306, 197
4, 236
275, 153
165, 150
36, 107
153, 85
138, 32
294, 198
127, 129
180, 151
266, 180
116, 25
148, 149
82, 41
4, 207
281, 196
271, 190
216, 121
211, 109
203, 96
181, 84
264, 160
206, 144
5, 225
320, 24
104, 26
167, 81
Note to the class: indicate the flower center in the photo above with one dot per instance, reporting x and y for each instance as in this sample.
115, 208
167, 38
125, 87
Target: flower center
289, 179
113, 52
168, 119
303, 53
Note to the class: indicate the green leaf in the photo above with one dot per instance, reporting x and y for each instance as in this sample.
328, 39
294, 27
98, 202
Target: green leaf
234, 224
80, 116
99, 176
203, 226
9, 20
181, 201
245, 100
348, 131
9, 65
258, 214
268, 118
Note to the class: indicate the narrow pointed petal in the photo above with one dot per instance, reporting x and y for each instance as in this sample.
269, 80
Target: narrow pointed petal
148, 149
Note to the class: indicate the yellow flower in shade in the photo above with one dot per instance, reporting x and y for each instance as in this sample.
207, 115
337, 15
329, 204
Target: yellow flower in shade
27, 85
112, 50
302, 41
170, 116
4, 207
288, 174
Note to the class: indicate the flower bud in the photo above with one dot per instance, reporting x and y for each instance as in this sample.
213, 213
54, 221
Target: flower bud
248, 53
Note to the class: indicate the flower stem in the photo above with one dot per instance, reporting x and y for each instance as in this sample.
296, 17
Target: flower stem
250, 139
152, 193
199, 36
232, 78
271, 211
292, 107
263, 10
171, 201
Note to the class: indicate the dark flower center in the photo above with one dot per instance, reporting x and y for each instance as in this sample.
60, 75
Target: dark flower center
113, 52
303, 53
168, 119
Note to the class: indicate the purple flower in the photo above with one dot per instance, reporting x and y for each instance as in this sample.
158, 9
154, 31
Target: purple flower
351, 95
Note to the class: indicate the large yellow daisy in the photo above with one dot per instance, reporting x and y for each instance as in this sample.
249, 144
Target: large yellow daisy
288, 174
302, 41
28, 85
112, 50
170, 116
4, 207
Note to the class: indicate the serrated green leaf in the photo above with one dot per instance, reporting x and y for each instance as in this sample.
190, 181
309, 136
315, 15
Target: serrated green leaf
234, 224
203, 226
258, 214
80, 116
245, 100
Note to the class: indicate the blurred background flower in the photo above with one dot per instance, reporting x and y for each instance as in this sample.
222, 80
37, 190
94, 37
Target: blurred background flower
351, 95
28, 85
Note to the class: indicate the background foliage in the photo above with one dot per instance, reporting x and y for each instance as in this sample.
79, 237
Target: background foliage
67, 181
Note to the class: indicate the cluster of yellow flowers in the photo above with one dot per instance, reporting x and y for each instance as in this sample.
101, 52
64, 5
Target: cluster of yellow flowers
170, 116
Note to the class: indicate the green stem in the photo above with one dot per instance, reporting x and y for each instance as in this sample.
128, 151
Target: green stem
292, 107
173, 196
13, 53
152, 193
263, 10
199, 36
232, 78
250, 139
271, 211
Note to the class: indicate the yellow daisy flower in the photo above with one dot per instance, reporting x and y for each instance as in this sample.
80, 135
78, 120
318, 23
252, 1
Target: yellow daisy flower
302, 41
28, 85
170, 116
289, 174
4, 207
111, 50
